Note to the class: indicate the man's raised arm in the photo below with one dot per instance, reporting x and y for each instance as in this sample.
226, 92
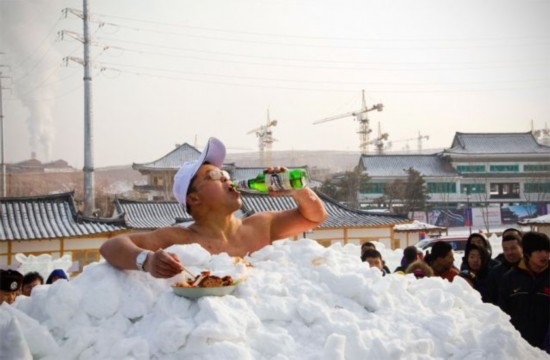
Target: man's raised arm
309, 214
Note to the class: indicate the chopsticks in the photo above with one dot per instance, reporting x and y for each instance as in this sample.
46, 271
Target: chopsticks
187, 271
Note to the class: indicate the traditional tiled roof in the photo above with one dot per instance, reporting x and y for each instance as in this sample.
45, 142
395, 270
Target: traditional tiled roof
171, 161
49, 217
338, 216
151, 214
496, 143
156, 214
396, 165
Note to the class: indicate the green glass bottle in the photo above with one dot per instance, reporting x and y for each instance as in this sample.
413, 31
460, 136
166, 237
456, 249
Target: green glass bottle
264, 183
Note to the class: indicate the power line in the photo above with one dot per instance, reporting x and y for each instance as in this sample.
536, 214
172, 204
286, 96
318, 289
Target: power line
369, 47
319, 81
44, 83
173, 78
156, 53
29, 56
250, 33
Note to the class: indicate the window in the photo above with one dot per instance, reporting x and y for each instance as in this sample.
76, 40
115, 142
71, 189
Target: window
158, 180
536, 187
373, 188
470, 168
504, 191
443, 187
504, 168
472, 188
533, 168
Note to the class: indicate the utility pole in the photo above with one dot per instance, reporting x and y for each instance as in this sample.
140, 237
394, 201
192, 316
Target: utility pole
2, 146
89, 196
2, 139
86, 62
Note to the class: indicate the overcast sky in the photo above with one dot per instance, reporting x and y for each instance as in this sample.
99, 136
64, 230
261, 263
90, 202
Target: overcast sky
186, 70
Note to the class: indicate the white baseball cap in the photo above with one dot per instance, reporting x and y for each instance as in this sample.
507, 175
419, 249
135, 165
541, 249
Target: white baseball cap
213, 153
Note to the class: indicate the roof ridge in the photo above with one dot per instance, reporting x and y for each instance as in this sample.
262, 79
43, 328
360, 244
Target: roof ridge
493, 133
68, 195
168, 154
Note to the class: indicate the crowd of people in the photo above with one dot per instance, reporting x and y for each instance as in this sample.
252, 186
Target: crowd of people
518, 280
13, 283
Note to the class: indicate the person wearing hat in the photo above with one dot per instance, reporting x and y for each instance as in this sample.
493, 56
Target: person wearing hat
207, 193
10, 285
56, 274
525, 290
410, 255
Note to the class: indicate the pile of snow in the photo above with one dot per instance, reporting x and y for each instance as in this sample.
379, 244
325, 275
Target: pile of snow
44, 264
299, 301
416, 225
544, 219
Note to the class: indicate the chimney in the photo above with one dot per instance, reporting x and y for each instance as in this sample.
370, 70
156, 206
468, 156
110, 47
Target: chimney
33, 155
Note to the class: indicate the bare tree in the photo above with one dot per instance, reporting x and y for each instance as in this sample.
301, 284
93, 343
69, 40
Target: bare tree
344, 187
536, 191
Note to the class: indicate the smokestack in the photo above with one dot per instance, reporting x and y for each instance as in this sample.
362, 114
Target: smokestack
33, 155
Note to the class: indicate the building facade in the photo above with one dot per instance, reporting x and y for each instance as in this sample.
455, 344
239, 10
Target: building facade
479, 170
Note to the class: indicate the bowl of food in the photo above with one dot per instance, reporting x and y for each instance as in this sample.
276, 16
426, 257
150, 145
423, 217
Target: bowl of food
205, 284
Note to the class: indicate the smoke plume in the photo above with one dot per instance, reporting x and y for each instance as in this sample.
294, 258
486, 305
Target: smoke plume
29, 44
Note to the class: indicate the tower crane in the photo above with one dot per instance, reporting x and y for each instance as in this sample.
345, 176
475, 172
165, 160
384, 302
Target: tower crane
381, 142
265, 140
541, 135
419, 139
361, 117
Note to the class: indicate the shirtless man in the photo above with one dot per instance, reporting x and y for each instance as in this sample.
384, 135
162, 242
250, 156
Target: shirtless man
207, 193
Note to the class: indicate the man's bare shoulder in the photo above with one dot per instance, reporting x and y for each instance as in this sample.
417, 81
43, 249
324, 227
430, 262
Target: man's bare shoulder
178, 234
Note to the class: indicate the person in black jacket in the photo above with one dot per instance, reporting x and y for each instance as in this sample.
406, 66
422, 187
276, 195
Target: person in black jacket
479, 240
509, 231
477, 264
512, 254
366, 246
374, 258
410, 255
525, 290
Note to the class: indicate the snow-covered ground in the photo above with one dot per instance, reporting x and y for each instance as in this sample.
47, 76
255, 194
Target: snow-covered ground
299, 300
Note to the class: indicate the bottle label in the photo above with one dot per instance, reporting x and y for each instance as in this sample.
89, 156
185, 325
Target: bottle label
278, 182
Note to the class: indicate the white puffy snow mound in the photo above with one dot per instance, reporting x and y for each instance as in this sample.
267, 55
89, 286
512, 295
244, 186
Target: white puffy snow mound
299, 301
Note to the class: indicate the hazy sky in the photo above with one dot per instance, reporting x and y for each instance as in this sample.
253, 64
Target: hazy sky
168, 74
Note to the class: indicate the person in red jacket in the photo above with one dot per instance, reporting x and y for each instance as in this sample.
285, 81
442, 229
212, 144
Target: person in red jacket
441, 260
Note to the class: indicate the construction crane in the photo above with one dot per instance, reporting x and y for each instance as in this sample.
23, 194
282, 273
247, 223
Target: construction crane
419, 140
541, 135
265, 140
381, 142
361, 117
